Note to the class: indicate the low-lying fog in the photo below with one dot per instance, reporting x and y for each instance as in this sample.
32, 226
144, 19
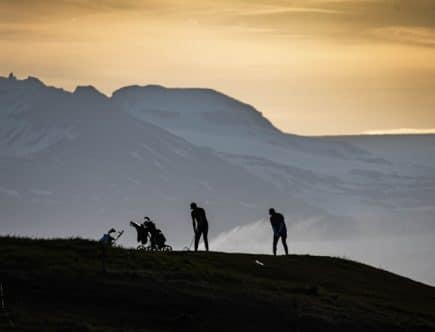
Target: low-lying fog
410, 256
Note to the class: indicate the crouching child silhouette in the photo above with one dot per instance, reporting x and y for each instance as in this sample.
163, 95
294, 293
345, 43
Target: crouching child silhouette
108, 238
106, 241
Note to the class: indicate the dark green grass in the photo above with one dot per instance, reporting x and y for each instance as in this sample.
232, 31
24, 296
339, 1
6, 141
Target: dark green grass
58, 285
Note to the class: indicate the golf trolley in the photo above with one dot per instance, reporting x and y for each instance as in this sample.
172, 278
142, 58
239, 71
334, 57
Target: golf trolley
147, 232
164, 248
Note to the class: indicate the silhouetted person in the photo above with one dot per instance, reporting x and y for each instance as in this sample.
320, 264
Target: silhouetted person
157, 238
200, 225
142, 232
152, 229
279, 230
105, 242
108, 239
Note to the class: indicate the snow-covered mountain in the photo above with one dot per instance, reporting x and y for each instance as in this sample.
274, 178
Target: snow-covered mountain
365, 186
77, 163
74, 164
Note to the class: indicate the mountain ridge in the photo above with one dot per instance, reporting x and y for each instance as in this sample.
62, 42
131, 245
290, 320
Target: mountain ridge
131, 90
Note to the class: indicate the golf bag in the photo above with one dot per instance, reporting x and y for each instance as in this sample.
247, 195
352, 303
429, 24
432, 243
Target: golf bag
148, 231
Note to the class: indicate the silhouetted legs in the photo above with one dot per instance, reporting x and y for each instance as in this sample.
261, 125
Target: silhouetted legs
275, 242
197, 237
284, 244
205, 238
204, 233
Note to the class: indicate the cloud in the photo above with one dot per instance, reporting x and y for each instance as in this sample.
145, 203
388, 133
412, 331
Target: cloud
252, 238
342, 20
47, 11
400, 20
407, 254
410, 35
400, 131
270, 10
256, 237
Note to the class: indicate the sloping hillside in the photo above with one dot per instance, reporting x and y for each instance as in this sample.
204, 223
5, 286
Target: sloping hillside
58, 285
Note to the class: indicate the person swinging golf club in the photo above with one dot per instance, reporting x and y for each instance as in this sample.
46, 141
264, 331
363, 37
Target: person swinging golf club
279, 230
200, 225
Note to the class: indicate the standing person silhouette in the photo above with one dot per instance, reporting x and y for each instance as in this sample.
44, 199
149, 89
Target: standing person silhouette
279, 230
200, 225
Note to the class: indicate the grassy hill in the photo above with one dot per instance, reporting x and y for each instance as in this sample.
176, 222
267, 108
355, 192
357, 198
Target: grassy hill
58, 285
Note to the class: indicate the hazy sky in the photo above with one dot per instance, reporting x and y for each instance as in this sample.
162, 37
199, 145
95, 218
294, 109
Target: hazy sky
311, 66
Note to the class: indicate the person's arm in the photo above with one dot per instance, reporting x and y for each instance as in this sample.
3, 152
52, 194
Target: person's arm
273, 227
280, 229
193, 223
281, 225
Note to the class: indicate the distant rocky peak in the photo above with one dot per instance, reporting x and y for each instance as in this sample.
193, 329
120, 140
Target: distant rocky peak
11, 81
34, 81
88, 91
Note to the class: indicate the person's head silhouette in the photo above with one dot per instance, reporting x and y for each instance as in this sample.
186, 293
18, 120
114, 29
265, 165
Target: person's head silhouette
193, 206
272, 211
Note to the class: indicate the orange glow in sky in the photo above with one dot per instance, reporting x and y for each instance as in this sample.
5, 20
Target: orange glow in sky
311, 66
